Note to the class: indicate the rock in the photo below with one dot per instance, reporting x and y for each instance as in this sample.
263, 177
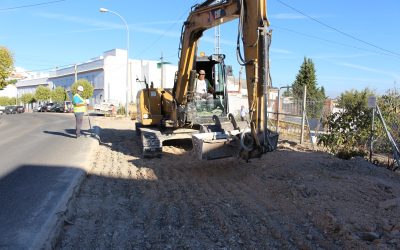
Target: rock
276, 234
369, 236
395, 234
148, 245
396, 227
387, 227
394, 241
352, 237
389, 203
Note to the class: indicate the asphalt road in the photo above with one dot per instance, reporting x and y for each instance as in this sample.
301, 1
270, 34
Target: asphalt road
41, 163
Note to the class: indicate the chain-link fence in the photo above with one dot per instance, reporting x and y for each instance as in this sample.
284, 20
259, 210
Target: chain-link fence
386, 141
301, 121
288, 116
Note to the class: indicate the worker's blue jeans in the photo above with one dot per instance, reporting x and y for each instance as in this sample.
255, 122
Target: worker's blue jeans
79, 120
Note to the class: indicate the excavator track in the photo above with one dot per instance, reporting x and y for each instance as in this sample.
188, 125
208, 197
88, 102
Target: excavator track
151, 143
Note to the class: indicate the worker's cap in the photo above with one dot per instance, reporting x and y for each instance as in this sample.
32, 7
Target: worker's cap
202, 72
80, 88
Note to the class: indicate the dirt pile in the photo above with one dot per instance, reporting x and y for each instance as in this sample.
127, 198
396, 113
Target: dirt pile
290, 198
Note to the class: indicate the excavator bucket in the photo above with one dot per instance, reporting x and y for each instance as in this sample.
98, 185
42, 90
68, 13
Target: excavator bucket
211, 146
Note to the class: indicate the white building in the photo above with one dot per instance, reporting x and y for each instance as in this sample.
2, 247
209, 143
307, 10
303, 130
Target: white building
9, 91
29, 85
107, 74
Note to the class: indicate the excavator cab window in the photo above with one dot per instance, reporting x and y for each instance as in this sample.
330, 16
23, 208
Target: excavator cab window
214, 67
215, 71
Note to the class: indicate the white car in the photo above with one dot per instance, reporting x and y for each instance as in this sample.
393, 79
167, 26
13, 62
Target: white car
104, 108
2, 110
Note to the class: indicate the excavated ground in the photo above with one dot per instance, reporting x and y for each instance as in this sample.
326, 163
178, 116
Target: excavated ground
292, 198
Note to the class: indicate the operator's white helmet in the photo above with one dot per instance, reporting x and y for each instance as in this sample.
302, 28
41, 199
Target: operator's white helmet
80, 88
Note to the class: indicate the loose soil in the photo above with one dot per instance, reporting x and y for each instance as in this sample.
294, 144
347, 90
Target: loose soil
292, 198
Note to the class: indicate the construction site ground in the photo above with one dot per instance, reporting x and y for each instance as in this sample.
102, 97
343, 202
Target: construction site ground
292, 198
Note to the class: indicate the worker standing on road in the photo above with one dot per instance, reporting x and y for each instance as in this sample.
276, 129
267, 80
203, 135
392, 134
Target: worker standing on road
79, 110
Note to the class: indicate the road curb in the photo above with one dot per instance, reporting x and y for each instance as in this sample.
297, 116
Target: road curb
53, 227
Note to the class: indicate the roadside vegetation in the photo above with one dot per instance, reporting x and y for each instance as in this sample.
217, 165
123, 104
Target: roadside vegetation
6, 66
349, 131
6, 101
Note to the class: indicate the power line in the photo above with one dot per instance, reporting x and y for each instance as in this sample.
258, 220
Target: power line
337, 30
32, 5
329, 41
48, 69
163, 34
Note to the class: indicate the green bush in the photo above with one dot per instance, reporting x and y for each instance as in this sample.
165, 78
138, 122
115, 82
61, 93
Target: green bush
349, 131
121, 110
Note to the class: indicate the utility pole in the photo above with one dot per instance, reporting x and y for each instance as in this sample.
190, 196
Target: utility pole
217, 36
161, 69
76, 72
303, 119
217, 50
240, 76
217, 39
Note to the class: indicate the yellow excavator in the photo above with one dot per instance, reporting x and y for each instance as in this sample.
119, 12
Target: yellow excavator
170, 114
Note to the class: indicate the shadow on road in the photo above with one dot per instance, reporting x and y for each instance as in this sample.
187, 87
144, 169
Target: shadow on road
29, 196
70, 133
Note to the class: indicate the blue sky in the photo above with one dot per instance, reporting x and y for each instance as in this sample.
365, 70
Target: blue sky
60, 33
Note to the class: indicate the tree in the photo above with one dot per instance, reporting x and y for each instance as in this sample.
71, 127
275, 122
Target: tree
6, 66
42, 93
58, 94
87, 88
315, 96
27, 98
354, 99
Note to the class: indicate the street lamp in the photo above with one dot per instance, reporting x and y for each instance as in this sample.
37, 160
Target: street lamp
103, 10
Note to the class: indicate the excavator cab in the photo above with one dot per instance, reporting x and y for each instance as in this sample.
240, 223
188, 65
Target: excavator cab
213, 105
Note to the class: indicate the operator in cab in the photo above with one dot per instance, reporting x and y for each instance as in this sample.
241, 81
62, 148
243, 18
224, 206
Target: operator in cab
204, 90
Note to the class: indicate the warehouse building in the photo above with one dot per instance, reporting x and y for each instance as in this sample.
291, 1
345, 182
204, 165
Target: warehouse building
107, 73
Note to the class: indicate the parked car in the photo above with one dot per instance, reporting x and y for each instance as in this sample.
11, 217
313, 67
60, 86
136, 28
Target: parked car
48, 107
68, 107
104, 108
37, 108
2, 110
57, 107
20, 109
11, 110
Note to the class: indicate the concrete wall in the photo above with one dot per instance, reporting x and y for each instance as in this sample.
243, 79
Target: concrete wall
169, 71
115, 79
